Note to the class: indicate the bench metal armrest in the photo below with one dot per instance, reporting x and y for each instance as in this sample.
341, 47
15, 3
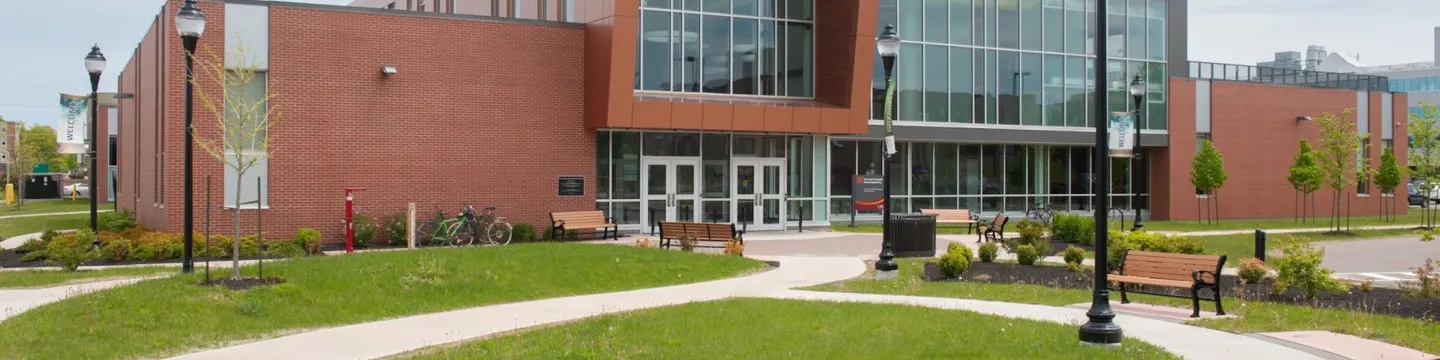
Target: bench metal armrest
558, 223
1196, 275
609, 220
974, 217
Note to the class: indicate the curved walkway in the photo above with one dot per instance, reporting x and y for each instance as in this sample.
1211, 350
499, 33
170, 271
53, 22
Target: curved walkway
390, 337
1187, 341
14, 302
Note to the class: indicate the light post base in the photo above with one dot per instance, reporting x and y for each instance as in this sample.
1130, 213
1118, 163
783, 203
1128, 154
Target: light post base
882, 275
1139, 224
1101, 329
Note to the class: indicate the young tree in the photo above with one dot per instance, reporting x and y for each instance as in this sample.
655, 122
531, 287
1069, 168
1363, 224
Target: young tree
21, 161
1304, 177
243, 112
1387, 178
1207, 173
42, 144
1424, 128
1339, 146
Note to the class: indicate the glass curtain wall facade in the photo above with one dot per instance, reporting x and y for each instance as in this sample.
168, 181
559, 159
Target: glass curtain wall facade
986, 178
1021, 62
735, 47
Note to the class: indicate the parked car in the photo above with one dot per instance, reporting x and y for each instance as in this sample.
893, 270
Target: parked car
83, 189
1415, 198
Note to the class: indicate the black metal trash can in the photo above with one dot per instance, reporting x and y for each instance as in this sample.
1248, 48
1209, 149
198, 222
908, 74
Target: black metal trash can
913, 235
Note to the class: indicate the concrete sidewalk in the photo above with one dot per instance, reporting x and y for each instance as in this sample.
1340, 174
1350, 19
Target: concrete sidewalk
53, 214
1283, 231
14, 302
389, 337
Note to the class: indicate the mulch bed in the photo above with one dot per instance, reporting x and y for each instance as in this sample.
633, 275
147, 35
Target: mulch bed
9, 259
241, 283
1378, 300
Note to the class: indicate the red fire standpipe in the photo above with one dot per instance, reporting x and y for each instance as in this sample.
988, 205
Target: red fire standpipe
350, 218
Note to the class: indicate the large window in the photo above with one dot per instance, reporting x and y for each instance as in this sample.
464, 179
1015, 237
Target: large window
1020, 62
744, 47
985, 178
245, 131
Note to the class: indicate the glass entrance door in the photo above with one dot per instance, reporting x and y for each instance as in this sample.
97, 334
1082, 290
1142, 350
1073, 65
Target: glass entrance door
670, 190
759, 193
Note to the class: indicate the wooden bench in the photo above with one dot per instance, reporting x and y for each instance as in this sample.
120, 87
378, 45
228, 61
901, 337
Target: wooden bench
1182, 271
671, 231
954, 217
595, 222
995, 230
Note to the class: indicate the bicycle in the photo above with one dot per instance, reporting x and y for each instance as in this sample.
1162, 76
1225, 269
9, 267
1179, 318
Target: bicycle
497, 230
459, 230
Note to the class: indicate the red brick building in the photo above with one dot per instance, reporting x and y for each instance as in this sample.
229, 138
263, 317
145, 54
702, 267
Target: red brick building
491, 102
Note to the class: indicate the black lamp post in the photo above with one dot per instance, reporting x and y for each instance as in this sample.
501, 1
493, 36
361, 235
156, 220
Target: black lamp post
94, 64
888, 45
1101, 329
1137, 91
190, 22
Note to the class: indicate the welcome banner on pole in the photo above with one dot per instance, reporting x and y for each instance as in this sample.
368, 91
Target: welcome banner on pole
74, 115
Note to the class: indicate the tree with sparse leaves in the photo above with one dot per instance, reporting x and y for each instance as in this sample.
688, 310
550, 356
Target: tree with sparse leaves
1387, 178
22, 159
1338, 154
1424, 129
243, 113
1207, 173
1304, 178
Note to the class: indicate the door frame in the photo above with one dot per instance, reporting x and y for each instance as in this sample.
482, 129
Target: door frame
756, 222
671, 196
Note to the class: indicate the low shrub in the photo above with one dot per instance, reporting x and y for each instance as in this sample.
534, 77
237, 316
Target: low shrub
1252, 271
115, 221
219, 246
1074, 255
1032, 233
285, 249
1299, 267
250, 246
395, 231
70, 250
956, 261
735, 247
32, 246
1427, 281
1074, 228
308, 239
1367, 286
364, 230
687, 243
988, 252
1121, 241
522, 233
1027, 254
35, 255
117, 250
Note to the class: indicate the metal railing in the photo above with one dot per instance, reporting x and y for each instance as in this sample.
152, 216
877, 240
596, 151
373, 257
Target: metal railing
1282, 76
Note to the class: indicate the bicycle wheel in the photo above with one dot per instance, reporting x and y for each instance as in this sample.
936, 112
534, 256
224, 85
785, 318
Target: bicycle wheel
425, 234
499, 232
459, 234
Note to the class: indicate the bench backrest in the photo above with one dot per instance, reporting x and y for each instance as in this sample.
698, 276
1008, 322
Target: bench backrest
579, 219
1000, 220
701, 231
947, 214
1168, 266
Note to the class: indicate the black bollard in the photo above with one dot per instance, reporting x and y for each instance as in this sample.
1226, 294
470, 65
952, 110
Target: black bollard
1260, 244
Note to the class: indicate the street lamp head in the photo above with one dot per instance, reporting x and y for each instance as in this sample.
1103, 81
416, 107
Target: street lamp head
190, 21
888, 44
1137, 86
95, 61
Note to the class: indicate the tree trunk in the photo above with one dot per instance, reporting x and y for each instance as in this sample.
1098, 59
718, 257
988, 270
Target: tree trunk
235, 253
1217, 207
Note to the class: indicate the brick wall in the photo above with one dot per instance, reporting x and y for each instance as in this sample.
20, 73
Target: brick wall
1254, 127
481, 112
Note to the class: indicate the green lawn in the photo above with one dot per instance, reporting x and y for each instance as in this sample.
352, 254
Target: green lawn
790, 329
26, 225
51, 206
1254, 316
1410, 218
40, 278
159, 318
1237, 248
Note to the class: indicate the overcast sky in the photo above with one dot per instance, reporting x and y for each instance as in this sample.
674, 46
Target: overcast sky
44, 42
